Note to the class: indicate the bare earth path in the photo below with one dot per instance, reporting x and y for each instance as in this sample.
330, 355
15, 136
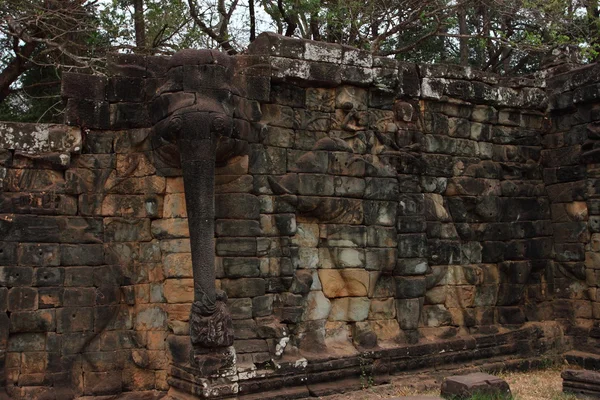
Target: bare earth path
543, 384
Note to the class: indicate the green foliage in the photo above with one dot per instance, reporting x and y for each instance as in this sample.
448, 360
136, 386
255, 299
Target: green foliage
37, 100
366, 374
505, 37
168, 26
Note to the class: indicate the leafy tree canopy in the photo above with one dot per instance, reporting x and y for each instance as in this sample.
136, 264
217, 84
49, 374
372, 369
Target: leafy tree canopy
39, 39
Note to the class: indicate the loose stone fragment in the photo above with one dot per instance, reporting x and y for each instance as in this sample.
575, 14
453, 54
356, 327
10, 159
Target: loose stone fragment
465, 386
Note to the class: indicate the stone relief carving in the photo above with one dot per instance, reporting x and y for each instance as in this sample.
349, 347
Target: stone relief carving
193, 114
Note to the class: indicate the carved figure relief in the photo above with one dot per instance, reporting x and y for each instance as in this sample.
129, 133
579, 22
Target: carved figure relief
193, 116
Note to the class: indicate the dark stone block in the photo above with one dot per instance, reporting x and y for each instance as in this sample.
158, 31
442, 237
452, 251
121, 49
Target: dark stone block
102, 383
82, 254
237, 227
22, 299
383, 99
88, 113
3, 299
98, 142
410, 287
50, 297
515, 271
511, 316
262, 306
126, 230
39, 255
269, 43
109, 275
112, 318
411, 266
466, 386
288, 95
302, 282
236, 247
129, 115
241, 267
126, 89
33, 321
79, 297
244, 287
286, 224
444, 252
8, 253
16, 276
75, 319
83, 86
493, 252
324, 74
78, 276
510, 294
412, 246
108, 295
237, 206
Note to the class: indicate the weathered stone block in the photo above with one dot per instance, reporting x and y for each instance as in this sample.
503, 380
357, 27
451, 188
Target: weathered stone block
346, 282
380, 212
3, 299
466, 386
50, 297
380, 259
75, 319
349, 309
244, 287
269, 160
241, 267
411, 266
40, 255
33, 321
412, 246
8, 253
318, 307
22, 299
315, 184
82, 254
408, 312
179, 290
237, 247
102, 383
83, 86
16, 276
410, 287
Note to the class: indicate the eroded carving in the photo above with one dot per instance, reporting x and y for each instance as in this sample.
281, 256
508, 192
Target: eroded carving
193, 115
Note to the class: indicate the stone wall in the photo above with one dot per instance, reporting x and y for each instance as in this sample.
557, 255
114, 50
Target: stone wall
570, 160
375, 205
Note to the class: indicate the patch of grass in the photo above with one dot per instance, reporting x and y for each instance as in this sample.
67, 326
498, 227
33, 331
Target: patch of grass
564, 396
487, 396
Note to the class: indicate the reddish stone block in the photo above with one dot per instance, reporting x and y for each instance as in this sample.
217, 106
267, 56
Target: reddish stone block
465, 386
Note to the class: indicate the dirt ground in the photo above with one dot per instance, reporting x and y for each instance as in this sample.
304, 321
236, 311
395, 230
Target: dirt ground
543, 384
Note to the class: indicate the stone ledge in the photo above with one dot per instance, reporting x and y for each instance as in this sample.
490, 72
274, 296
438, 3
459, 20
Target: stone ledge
514, 350
40, 138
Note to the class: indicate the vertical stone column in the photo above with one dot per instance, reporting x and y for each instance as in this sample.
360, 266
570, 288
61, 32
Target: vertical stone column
194, 120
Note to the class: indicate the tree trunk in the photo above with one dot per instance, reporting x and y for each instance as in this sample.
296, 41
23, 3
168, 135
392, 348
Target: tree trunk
252, 20
464, 42
139, 24
15, 68
593, 17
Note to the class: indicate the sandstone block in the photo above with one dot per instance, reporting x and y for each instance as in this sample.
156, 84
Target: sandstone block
349, 309
408, 312
465, 386
342, 283
317, 306
244, 287
179, 290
